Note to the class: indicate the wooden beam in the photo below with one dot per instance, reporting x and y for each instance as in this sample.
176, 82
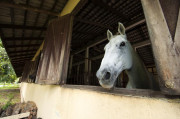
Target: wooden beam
86, 33
23, 57
77, 8
70, 65
22, 51
22, 27
166, 51
21, 38
104, 39
15, 58
30, 45
112, 10
86, 67
48, 17
29, 8
18, 62
92, 23
27, 54
141, 44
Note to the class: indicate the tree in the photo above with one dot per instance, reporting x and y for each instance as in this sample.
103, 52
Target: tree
7, 74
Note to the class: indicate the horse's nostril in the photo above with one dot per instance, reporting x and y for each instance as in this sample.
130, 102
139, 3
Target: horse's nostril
107, 76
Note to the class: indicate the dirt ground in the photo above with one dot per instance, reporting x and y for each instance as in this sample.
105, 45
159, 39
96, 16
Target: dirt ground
6, 94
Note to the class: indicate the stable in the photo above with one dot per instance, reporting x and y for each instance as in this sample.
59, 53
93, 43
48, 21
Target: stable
56, 47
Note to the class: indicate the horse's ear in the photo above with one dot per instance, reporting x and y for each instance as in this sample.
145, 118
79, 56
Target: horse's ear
121, 28
109, 34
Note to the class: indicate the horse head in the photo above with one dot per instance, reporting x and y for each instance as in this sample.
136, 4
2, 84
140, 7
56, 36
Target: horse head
117, 58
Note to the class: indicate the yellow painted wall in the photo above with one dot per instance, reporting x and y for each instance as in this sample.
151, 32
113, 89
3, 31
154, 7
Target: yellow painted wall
55, 102
70, 5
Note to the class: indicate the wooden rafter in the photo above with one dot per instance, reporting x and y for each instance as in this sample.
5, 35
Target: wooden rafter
34, 50
37, 16
21, 59
21, 27
86, 33
106, 7
20, 55
92, 23
47, 20
29, 8
36, 20
104, 39
25, 38
31, 45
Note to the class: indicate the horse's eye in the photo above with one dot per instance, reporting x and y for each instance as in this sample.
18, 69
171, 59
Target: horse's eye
122, 44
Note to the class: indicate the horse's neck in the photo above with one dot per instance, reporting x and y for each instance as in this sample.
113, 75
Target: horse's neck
138, 76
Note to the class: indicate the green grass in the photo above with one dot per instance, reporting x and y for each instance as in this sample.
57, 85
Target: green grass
9, 86
5, 96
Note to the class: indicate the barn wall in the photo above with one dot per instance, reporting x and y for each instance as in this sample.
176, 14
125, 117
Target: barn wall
55, 102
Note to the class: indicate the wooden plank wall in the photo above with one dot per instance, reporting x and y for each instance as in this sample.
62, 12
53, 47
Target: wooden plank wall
26, 70
29, 72
55, 54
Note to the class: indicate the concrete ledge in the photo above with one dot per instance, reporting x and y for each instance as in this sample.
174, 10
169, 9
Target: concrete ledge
87, 102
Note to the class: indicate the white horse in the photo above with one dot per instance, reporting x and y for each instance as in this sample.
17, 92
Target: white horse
119, 55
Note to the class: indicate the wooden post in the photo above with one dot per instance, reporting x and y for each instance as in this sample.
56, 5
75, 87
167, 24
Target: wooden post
89, 67
78, 74
166, 49
86, 79
89, 73
70, 65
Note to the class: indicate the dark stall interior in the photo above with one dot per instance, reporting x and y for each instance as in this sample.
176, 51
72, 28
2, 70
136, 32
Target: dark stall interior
90, 26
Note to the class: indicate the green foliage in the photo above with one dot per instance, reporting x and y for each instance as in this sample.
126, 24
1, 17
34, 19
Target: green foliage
7, 74
8, 103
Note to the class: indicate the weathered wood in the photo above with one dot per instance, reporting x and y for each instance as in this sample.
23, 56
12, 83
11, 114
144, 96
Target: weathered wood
30, 68
26, 71
29, 8
166, 51
55, 55
170, 10
18, 116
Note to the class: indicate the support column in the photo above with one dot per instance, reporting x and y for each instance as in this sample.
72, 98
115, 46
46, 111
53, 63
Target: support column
78, 75
86, 77
89, 66
89, 73
166, 49
70, 65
